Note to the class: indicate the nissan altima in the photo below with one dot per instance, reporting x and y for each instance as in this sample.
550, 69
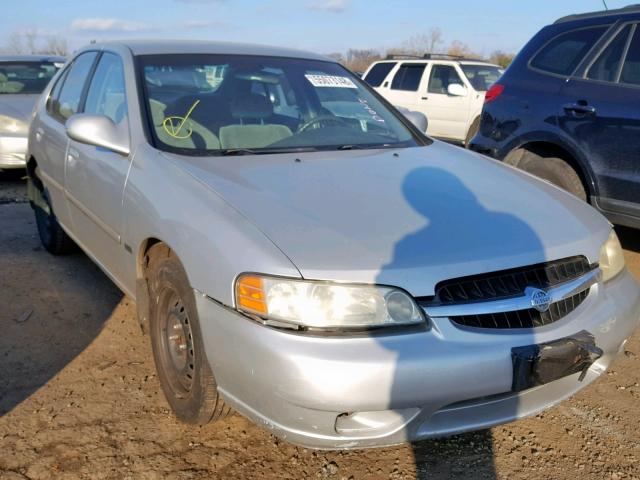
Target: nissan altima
301, 252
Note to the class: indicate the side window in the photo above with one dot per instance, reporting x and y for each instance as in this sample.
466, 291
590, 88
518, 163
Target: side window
408, 77
52, 102
607, 65
378, 73
68, 100
631, 67
106, 95
441, 77
563, 54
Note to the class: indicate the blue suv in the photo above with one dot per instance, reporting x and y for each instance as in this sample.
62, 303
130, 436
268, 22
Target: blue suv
568, 110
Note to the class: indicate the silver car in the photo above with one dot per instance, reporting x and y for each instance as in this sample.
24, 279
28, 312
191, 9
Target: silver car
301, 253
22, 80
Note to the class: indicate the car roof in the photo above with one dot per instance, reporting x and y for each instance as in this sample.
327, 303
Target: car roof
167, 47
31, 58
601, 13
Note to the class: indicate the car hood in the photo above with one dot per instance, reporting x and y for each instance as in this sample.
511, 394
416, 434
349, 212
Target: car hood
407, 217
18, 106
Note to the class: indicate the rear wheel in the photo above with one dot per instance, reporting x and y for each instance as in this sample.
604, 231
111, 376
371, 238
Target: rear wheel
183, 370
556, 171
473, 131
53, 238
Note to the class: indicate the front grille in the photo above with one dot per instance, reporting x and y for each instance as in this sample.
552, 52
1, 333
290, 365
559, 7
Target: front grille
530, 318
510, 284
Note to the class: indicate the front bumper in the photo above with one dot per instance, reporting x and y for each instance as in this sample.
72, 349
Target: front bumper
13, 150
384, 389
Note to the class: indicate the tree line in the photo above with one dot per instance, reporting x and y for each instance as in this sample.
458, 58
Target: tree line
31, 41
358, 60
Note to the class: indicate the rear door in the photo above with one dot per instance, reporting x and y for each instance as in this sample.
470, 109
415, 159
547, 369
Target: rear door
601, 112
405, 86
51, 134
96, 176
447, 114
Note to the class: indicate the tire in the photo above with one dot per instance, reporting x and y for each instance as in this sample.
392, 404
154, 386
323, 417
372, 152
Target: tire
473, 131
556, 171
53, 238
178, 350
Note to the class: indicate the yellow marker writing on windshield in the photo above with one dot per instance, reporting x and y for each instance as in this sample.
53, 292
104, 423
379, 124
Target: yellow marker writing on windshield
174, 125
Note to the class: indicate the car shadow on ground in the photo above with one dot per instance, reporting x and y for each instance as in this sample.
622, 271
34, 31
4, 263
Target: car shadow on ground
39, 336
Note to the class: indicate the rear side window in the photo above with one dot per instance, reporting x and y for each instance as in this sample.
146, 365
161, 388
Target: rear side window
408, 77
66, 103
607, 65
565, 52
631, 67
378, 73
441, 77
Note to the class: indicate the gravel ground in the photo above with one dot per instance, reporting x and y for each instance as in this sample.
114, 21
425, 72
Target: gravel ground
79, 397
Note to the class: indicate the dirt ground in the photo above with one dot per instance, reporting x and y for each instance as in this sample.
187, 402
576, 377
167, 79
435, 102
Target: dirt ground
79, 397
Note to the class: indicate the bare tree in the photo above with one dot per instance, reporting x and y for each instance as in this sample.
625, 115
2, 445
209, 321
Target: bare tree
31, 41
501, 58
460, 49
358, 60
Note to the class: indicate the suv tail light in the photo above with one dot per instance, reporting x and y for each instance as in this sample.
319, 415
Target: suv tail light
494, 92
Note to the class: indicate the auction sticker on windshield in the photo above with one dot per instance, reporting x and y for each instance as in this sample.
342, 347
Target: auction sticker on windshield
330, 81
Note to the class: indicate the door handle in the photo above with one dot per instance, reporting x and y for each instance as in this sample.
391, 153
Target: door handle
39, 133
580, 109
424, 98
72, 154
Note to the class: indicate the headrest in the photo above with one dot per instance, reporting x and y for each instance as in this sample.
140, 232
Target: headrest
251, 106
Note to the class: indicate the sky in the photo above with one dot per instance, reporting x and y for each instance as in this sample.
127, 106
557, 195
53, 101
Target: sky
323, 26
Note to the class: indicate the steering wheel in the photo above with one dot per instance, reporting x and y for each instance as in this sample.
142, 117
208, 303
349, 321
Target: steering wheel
319, 119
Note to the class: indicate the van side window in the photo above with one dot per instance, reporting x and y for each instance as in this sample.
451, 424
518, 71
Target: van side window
408, 77
66, 103
607, 66
441, 77
378, 73
563, 54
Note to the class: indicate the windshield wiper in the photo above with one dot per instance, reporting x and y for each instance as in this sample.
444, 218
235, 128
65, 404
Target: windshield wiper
237, 151
365, 147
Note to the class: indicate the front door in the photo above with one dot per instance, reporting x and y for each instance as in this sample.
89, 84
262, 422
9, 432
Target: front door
447, 114
96, 176
600, 110
404, 90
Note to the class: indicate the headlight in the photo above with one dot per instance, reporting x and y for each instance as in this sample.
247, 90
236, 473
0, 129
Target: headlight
325, 305
611, 257
12, 125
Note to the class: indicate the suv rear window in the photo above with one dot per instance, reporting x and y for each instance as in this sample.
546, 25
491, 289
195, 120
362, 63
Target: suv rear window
408, 77
563, 54
378, 73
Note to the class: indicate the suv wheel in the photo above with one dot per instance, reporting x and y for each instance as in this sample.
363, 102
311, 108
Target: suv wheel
556, 171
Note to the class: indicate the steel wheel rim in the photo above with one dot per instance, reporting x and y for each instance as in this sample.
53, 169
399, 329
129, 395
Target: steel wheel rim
178, 354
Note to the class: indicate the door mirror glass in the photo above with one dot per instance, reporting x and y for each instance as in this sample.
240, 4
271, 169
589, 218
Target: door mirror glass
99, 131
456, 90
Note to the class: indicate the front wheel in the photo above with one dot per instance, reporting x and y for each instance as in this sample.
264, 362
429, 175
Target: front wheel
183, 370
558, 172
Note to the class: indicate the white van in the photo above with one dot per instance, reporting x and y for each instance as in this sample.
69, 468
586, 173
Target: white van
449, 90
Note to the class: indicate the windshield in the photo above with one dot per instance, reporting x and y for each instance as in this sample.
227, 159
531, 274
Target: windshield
208, 104
482, 77
25, 77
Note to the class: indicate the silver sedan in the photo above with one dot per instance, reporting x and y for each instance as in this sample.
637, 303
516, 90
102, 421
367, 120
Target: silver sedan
299, 251
22, 80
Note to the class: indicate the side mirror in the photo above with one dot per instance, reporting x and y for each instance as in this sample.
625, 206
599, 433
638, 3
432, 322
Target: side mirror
457, 90
418, 119
99, 131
